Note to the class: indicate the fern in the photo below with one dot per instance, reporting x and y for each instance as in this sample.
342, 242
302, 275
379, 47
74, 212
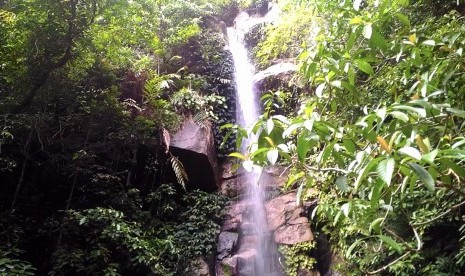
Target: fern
179, 170
200, 118
166, 140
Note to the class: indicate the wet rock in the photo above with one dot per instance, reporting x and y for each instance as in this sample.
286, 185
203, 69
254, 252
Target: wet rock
227, 241
232, 224
199, 267
226, 267
244, 261
286, 218
292, 234
194, 146
275, 77
259, 7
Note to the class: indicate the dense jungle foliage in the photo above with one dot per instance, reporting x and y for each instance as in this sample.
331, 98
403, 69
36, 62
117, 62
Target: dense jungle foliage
377, 134
90, 91
371, 126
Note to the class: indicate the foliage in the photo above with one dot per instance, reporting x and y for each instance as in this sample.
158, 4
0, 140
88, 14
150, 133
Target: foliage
189, 100
157, 240
298, 257
379, 134
285, 37
85, 95
11, 261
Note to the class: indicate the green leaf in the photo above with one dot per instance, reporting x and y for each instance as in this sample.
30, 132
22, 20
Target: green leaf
348, 86
299, 194
430, 156
341, 183
404, 3
345, 209
269, 126
429, 42
269, 140
293, 178
349, 145
355, 21
319, 90
421, 112
272, 156
405, 181
411, 152
363, 172
351, 248
400, 116
364, 66
324, 155
460, 171
367, 31
391, 243
376, 193
386, 169
258, 151
308, 124
403, 19
376, 224
304, 144
424, 176
378, 40
456, 112
238, 155
290, 130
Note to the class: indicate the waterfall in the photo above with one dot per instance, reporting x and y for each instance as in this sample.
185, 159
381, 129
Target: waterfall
260, 249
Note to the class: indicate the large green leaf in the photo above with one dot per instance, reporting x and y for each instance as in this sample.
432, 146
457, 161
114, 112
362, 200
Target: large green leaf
319, 90
238, 155
341, 183
420, 111
305, 142
364, 66
363, 172
376, 224
391, 243
386, 169
269, 126
410, 151
272, 156
424, 175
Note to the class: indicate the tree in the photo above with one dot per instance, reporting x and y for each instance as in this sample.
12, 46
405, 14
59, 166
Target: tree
379, 134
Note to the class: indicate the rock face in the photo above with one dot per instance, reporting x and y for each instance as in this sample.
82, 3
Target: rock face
275, 77
199, 268
287, 220
287, 223
194, 146
227, 242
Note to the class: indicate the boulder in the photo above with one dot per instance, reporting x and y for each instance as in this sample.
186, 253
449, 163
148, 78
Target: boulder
199, 267
275, 77
227, 267
287, 220
227, 241
292, 234
194, 146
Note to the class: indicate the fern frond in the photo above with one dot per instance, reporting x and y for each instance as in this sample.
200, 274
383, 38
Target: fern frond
166, 140
179, 170
200, 117
225, 81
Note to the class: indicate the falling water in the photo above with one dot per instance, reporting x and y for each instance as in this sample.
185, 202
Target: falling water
261, 249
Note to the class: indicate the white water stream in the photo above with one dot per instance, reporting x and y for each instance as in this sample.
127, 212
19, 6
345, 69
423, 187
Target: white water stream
260, 251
